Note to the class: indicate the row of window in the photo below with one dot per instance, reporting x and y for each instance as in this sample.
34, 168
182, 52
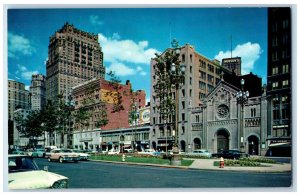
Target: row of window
284, 69
276, 85
284, 24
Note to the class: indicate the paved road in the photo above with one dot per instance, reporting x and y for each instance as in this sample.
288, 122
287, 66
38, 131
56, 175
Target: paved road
92, 174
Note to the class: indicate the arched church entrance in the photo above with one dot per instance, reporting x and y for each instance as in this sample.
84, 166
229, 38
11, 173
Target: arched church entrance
197, 143
253, 145
222, 140
182, 145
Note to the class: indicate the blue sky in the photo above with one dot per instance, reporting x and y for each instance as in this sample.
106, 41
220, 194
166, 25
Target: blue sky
130, 36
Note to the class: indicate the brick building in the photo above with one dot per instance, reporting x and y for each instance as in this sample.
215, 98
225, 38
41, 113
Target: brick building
101, 94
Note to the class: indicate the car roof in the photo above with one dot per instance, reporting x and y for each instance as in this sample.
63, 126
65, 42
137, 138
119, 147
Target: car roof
17, 155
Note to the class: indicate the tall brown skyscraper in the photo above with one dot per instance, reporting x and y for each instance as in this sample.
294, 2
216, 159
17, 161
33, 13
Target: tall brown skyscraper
74, 56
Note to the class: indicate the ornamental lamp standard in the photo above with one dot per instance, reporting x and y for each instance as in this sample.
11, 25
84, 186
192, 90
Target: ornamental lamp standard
177, 73
70, 108
242, 98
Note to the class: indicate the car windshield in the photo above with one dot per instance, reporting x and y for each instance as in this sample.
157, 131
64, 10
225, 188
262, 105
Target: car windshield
21, 164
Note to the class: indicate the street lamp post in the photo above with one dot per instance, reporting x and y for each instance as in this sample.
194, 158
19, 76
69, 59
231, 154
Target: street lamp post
69, 117
177, 73
242, 98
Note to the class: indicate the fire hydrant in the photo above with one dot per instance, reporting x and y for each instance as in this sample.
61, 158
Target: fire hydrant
222, 162
123, 157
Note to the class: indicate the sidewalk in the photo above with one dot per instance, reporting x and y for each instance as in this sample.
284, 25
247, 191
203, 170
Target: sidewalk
208, 165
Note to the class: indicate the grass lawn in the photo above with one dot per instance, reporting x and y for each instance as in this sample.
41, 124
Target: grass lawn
136, 159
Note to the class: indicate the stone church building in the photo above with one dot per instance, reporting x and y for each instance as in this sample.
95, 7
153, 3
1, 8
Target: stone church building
223, 122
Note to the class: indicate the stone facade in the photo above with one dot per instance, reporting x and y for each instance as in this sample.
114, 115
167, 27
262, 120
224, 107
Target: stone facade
38, 92
74, 56
216, 125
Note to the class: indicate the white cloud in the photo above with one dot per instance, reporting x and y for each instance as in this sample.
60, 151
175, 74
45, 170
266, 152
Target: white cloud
95, 20
249, 52
28, 74
18, 44
125, 50
119, 53
121, 69
24, 72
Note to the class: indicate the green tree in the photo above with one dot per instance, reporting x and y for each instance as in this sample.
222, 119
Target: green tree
32, 127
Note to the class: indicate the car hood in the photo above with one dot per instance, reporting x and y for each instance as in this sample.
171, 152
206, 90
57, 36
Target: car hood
37, 179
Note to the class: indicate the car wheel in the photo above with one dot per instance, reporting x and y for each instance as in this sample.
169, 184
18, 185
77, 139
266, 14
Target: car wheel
61, 159
75, 161
49, 159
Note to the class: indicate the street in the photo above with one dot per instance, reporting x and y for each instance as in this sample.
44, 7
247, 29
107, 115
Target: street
90, 174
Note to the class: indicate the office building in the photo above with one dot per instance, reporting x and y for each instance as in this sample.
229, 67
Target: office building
38, 92
74, 56
279, 80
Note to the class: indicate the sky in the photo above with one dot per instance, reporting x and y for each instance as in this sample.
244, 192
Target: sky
129, 37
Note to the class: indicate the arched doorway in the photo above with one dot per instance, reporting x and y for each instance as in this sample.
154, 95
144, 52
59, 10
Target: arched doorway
197, 143
222, 140
154, 145
253, 145
182, 145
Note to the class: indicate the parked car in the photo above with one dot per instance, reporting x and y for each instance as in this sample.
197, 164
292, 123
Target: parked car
200, 153
228, 154
23, 173
150, 152
17, 151
38, 153
83, 156
113, 152
63, 155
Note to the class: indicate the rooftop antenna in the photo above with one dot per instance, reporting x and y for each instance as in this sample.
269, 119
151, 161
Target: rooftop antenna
231, 45
170, 33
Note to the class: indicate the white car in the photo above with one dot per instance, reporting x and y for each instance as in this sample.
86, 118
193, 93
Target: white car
23, 173
200, 152
83, 156
113, 152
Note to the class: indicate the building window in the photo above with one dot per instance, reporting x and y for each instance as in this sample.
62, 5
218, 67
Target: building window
276, 115
210, 88
253, 112
285, 83
210, 78
275, 70
285, 114
285, 24
161, 132
285, 68
275, 85
202, 85
274, 56
183, 58
202, 75
275, 41
284, 99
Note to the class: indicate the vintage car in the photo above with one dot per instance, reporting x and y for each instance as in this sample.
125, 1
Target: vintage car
83, 156
200, 153
229, 154
63, 155
38, 153
23, 173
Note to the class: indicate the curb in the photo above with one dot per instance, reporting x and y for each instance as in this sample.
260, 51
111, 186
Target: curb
228, 169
